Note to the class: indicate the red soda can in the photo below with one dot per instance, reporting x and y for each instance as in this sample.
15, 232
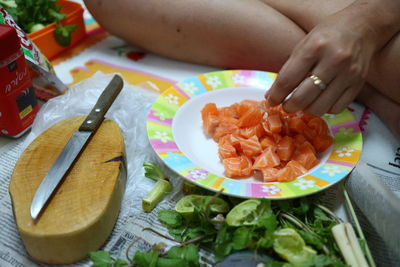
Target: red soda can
18, 104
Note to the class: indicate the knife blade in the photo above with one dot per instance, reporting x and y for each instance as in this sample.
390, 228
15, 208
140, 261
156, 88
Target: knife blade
75, 146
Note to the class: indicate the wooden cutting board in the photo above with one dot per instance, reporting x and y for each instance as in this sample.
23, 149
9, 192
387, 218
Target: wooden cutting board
81, 214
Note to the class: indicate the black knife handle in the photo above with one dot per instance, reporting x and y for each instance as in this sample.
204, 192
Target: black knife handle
96, 115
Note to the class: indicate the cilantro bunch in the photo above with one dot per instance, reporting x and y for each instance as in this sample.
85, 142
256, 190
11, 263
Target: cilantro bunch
285, 233
33, 15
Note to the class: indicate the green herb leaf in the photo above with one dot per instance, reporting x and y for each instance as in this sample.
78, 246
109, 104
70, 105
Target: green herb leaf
189, 253
62, 34
171, 218
100, 258
154, 172
241, 238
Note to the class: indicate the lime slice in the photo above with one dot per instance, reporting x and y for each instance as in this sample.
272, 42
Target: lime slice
185, 205
291, 247
247, 212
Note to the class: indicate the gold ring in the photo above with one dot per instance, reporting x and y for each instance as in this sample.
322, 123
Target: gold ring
318, 82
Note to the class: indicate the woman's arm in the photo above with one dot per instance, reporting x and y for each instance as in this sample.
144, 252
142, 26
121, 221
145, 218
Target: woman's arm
337, 51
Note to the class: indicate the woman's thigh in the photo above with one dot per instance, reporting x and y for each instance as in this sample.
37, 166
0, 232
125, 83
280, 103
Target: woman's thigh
231, 34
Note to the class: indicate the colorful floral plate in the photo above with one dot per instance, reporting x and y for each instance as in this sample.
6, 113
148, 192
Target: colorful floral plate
174, 128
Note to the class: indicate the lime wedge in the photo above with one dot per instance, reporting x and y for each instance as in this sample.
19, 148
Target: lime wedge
291, 247
247, 212
185, 205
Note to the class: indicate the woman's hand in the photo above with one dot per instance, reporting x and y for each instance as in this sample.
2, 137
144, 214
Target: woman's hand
336, 54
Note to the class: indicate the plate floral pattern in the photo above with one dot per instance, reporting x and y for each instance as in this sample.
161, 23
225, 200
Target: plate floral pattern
343, 157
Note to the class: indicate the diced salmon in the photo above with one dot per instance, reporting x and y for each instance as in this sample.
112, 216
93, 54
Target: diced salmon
229, 120
318, 125
210, 117
233, 167
228, 112
247, 165
309, 133
256, 130
322, 142
251, 117
274, 123
285, 174
210, 123
251, 146
226, 150
269, 174
285, 148
223, 129
237, 167
305, 155
299, 139
267, 141
254, 136
296, 125
267, 159
297, 168
245, 105
209, 109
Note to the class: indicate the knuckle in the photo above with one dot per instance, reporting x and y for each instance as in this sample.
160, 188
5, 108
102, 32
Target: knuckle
356, 70
341, 56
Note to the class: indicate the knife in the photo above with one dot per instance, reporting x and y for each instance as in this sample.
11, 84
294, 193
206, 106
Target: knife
75, 145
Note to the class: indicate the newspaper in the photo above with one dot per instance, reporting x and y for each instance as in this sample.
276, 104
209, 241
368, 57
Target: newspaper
128, 234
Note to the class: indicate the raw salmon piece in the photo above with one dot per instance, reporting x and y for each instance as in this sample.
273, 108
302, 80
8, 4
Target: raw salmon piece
210, 123
267, 141
307, 146
318, 125
309, 133
267, 159
229, 120
299, 139
234, 139
228, 112
248, 132
297, 168
244, 105
305, 156
277, 137
251, 146
210, 117
274, 123
233, 167
285, 148
296, 125
269, 174
251, 117
285, 174
266, 128
322, 142
226, 150
246, 166
209, 109
223, 129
